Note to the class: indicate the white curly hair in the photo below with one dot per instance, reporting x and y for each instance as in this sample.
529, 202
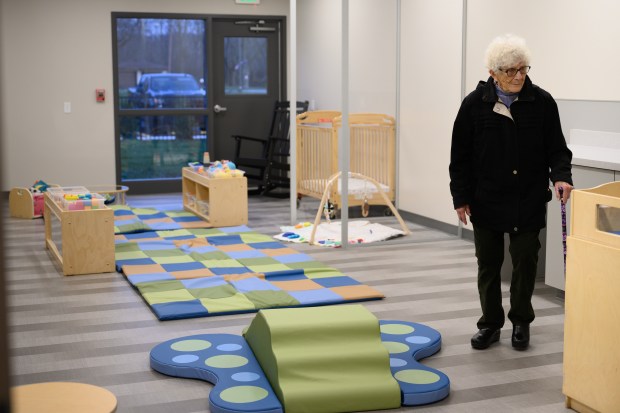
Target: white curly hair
505, 52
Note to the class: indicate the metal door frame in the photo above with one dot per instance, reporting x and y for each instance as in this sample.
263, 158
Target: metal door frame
174, 185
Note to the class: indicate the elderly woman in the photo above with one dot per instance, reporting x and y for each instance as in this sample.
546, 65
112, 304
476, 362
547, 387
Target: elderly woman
507, 143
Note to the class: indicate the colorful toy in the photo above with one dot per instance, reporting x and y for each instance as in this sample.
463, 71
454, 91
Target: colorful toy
223, 169
108, 198
39, 187
329, 211
197, 167
330, 243
76, 197
82, 201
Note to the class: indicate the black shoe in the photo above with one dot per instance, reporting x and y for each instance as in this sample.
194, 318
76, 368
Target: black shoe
484, 338
521, 336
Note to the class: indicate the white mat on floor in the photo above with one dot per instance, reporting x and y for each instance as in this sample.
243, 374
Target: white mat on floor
328, 233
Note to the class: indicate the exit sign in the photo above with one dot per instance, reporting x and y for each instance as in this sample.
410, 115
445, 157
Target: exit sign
247, 1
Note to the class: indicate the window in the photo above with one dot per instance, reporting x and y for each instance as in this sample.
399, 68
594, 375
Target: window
161, 91
245, 65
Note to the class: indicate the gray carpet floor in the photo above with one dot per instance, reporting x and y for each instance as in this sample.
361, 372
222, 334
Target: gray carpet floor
96, 329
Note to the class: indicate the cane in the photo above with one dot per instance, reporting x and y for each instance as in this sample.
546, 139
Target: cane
563, 211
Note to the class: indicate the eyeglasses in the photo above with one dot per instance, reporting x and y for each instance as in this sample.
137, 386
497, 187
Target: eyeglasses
512, 72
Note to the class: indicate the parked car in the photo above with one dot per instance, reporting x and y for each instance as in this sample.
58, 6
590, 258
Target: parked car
167, 90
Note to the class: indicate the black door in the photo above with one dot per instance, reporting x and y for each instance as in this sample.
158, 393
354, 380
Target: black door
248, 77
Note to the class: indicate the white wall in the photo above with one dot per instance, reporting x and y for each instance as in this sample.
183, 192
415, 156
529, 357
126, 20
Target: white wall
430, 95
575, 56
372, 54
575, 44
318, 53
57, 51
430, 82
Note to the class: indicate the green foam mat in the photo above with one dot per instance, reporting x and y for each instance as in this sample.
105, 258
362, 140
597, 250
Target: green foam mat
343, 359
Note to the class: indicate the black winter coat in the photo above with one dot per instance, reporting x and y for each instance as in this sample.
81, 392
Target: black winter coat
500, 166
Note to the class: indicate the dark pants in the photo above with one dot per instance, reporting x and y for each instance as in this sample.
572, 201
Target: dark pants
490, 253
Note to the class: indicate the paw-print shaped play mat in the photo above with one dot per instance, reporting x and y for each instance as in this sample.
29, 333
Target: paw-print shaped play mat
318, 359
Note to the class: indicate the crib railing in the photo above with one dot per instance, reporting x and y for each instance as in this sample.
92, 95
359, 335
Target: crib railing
372, 152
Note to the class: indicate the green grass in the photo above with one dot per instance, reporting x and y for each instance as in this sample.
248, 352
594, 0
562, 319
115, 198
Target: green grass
158, 159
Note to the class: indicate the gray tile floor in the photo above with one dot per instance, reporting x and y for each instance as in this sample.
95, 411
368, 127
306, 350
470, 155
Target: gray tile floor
96, 329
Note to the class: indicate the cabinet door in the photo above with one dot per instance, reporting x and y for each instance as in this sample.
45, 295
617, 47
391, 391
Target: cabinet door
583, 178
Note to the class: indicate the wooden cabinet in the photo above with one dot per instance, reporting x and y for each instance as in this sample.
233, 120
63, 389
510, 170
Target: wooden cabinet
583, 177
591, 327
223, 202
82, 242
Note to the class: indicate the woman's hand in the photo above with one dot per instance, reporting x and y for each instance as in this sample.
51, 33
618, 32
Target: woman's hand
463, 212
566, 190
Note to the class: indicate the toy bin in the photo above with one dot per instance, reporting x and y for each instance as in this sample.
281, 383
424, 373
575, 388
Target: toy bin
58, 193
25, 204
203, 207
190, 199
95, 201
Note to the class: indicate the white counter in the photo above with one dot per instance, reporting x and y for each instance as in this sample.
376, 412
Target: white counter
595, 149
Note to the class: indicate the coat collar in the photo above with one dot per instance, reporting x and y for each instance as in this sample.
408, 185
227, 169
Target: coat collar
490, 95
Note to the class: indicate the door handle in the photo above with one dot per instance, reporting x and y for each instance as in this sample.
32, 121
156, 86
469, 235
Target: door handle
218, 109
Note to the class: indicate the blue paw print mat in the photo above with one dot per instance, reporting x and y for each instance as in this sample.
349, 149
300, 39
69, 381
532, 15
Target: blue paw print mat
227, 361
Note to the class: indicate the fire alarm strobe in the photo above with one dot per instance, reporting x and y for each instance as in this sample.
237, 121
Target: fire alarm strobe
100, 94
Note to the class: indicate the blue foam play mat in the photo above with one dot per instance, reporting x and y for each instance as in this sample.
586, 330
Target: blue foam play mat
240, 385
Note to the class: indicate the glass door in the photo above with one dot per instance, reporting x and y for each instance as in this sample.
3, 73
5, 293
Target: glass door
184, 84
161, 99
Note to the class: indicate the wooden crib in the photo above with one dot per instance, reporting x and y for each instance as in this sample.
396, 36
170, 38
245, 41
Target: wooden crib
372, 154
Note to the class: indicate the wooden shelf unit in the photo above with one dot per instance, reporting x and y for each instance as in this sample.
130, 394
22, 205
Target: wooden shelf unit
222, 202
87, 238
591, 328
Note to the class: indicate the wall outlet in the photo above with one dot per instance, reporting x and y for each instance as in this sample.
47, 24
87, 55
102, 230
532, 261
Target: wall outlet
67, 107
